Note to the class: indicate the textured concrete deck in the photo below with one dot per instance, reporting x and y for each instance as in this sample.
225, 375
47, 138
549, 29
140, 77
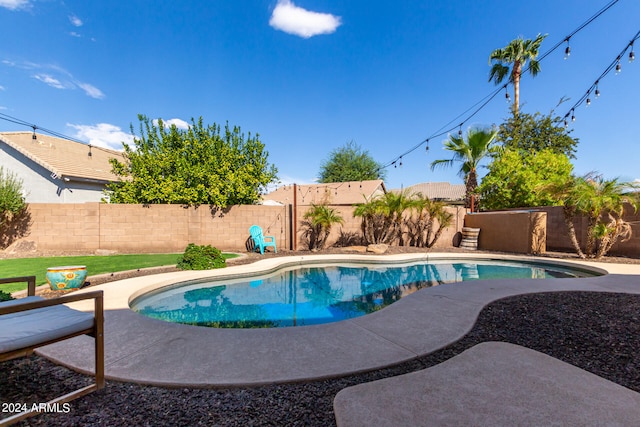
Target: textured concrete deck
491, 384
144, 350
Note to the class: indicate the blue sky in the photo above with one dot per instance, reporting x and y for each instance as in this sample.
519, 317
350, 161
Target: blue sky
311, 75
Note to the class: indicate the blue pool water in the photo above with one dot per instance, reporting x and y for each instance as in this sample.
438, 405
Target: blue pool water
313, 295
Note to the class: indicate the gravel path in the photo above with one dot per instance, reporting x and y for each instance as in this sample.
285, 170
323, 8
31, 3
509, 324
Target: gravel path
598, 332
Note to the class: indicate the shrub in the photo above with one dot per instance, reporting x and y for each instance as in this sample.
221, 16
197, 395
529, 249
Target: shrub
201, 257
5, 296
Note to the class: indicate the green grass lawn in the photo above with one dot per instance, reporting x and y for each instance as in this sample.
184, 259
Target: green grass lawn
16, 267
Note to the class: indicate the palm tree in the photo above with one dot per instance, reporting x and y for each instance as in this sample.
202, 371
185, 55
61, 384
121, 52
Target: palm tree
602, 201
428, 221
382, 217
318, 221
469, 152
517, 53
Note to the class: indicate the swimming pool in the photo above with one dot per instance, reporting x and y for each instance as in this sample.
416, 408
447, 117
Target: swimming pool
309, 295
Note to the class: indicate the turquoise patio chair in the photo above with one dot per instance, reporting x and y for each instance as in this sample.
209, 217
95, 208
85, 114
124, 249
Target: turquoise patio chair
261, 241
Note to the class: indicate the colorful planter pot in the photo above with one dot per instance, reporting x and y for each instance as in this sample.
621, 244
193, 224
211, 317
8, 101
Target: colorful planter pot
66, 277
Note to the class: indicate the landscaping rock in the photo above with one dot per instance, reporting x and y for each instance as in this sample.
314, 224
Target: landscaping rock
379, 249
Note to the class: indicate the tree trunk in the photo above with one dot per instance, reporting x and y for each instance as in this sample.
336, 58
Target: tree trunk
517, 71
569, 214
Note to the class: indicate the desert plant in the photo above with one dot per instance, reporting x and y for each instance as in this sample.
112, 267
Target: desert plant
201, 257
427, 222
602, 201
382, 217
317, 224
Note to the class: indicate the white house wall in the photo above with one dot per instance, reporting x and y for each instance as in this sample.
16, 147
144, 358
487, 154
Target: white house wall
40, 187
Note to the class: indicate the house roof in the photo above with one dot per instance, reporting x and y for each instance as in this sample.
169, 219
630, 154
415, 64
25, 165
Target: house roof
442, 191
334, 193
64, 158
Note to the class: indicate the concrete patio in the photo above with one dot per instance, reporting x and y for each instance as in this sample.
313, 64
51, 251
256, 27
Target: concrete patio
144, 350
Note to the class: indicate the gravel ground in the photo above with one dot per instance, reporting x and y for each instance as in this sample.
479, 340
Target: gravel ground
598, 332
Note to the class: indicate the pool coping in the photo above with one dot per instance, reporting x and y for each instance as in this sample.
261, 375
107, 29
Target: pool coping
149, 351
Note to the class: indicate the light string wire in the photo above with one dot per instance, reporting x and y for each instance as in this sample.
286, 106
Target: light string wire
594, 86
485, 101
35, 127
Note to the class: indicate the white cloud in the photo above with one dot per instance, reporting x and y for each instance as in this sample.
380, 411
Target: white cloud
15, 4
2, 88
74, 34
180, 124
295, 20
103, 135
90, 90
75, 21
57, 77
49, 80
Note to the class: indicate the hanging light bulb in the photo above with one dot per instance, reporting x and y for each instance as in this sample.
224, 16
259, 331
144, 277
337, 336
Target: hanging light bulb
573, 115
460, 131
567, 51
400, 161
566, 123
597, 91
632, 55
618, 67
34, 133
506, 95
588, 101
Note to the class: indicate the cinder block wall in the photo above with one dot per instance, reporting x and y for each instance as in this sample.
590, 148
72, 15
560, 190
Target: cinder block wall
558, 238
87, 227
510, 231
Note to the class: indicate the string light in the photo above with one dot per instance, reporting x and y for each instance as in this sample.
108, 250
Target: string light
478, 106
34, 137
573, 115
506, 94
567, 50
614, 65
632, 55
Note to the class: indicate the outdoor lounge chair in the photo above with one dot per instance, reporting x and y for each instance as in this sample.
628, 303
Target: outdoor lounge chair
260, 240
32, 322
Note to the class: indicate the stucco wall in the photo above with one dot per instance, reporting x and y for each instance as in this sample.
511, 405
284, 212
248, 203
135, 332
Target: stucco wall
87, 227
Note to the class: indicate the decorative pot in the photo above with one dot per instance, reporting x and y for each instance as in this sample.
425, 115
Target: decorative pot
66, 277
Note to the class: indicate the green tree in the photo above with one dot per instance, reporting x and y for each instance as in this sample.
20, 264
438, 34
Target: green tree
514, 177
200, 165
527, 133
317, 224
511, 61
350, 163
12, 202
469, 152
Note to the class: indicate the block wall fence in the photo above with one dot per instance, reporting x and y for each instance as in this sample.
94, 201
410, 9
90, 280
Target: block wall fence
128, 228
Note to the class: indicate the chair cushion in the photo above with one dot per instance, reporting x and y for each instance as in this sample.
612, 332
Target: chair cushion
33, 327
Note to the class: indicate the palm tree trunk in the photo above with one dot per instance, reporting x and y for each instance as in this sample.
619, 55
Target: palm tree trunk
569, 214
517, 71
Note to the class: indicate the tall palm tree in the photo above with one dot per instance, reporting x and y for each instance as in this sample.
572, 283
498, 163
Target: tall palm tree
469, 152
516, 54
